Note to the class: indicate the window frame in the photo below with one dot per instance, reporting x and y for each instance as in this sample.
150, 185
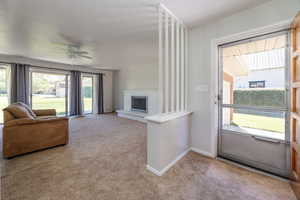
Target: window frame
51, 72
6, 67
87, 75
286, 75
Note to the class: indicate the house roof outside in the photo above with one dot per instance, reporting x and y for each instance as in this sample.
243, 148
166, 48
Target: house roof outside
239, 60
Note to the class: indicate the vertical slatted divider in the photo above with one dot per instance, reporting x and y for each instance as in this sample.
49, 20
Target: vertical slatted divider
172, 53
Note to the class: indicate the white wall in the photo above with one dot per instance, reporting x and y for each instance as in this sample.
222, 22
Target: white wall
137, 64
200, 39
167, 142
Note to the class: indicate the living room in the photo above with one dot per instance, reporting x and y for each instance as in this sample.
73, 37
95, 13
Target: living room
154, 99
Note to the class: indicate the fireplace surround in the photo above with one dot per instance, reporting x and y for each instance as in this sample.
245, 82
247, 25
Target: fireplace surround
138, 104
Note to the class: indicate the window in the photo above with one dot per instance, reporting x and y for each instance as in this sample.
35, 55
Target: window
257, 84
87, 93
254, 90
257, 122
4, 91
50, 90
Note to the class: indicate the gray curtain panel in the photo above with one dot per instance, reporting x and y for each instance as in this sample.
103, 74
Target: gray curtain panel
19, 83
100, 94
76, 104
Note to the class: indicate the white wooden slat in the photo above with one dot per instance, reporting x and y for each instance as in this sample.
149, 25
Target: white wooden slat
186, 69
171, 14
166, 67
172, 96
160, 61
182, 69
177, 68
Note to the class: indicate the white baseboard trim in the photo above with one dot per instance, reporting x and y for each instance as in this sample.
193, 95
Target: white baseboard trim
204, 153
161, 172
154, 171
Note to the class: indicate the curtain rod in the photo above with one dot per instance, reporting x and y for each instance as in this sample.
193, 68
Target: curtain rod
53, 68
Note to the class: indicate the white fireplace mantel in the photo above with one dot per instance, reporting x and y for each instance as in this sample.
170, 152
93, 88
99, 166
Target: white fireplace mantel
152, 103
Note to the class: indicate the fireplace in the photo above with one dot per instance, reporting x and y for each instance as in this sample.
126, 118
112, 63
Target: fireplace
139, 103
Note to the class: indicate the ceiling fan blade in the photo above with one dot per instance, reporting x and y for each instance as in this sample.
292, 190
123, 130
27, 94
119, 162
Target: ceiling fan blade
61, 44
87, 57
80, 52
60, 48
69, 39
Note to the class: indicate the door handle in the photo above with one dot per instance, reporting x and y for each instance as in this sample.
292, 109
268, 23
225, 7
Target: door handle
217, 99
266, 139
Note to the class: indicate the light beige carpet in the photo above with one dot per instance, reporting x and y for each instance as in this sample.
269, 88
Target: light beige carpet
106, 160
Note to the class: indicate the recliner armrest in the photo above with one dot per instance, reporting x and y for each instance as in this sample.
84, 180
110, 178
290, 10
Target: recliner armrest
51, 119
45, 112
26, 121
17, 122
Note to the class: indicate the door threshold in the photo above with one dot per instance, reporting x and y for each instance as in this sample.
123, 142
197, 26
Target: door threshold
255, 170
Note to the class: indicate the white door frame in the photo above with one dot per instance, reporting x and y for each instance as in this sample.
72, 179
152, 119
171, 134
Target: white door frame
214, 70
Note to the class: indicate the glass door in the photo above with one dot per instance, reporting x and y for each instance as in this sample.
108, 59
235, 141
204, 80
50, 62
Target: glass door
49, 90
254, 102
88, 93
4, 91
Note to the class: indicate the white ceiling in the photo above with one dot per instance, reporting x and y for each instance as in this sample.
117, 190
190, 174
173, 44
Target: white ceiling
195, 12
36, 28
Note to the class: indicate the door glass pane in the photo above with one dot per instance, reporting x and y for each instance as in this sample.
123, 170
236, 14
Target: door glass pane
4, 81
267, 124
254, 73
49, 92
87, 94
69, 94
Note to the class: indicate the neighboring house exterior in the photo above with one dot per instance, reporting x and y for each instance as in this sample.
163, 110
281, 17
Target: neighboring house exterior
270, 78
60, 89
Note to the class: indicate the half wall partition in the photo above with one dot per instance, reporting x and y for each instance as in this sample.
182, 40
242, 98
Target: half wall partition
168, 133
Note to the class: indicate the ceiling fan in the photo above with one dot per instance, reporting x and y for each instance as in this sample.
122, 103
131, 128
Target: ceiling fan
72, 48
73, 51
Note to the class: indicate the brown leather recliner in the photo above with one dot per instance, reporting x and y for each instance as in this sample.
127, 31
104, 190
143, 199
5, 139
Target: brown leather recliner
32, 131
